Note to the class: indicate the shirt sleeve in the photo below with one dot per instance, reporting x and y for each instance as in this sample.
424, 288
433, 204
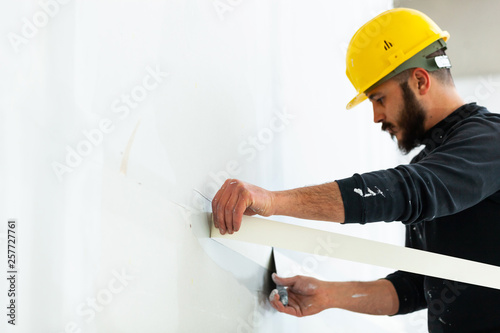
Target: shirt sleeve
410, 290
459, 173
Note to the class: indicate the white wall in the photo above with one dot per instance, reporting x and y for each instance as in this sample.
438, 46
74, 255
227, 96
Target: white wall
482, 89
116, 240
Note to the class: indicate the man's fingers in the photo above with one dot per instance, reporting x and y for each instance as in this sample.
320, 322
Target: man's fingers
291, 309
230, 203
218, 218
274, 299
229, 211
284, 281
214, 210
228, 206
221, 206
239, 209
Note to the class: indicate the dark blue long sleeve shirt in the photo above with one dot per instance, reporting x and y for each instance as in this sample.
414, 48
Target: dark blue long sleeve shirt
449, 199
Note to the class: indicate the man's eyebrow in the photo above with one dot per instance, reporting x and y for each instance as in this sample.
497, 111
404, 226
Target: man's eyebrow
371, 97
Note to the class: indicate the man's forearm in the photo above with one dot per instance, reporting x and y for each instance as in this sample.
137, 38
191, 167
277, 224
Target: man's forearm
375, 297
320, 202
235, 198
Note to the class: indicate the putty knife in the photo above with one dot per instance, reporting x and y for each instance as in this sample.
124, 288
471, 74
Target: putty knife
282, 292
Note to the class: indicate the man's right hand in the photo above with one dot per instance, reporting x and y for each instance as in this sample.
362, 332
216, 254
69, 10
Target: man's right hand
306, 295
236, 198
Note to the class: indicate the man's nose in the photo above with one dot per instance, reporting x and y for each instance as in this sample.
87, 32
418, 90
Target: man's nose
378, 115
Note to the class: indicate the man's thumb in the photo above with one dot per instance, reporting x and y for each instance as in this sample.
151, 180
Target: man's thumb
284, 281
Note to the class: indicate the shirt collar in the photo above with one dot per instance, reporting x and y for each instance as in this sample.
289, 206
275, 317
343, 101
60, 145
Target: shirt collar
435, 136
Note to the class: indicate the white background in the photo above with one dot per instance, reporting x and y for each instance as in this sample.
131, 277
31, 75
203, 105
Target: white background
227, 74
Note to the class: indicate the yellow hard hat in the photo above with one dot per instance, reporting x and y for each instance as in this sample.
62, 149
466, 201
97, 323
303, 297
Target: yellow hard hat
386, 43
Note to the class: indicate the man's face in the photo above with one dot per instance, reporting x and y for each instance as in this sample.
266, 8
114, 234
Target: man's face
402, 116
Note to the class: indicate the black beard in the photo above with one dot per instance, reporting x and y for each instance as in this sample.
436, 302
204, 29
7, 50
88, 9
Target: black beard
411, 121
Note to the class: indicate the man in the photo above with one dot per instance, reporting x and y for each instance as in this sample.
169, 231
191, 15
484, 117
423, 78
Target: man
448, 196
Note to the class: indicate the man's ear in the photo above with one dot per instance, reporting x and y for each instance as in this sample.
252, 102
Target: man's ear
421, 80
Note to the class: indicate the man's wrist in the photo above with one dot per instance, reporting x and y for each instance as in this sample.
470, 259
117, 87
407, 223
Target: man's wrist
320, 202
283, 202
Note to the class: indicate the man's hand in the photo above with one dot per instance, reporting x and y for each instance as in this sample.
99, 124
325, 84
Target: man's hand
236, 198
306, 295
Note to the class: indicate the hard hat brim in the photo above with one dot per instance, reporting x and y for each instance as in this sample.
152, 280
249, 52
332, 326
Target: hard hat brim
356, 100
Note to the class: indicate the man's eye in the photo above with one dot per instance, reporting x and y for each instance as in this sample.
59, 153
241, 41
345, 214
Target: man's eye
380, 100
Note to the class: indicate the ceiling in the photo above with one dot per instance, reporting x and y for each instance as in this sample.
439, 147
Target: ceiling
474, 26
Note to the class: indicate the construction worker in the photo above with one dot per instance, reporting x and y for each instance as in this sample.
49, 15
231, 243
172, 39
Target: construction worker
448, 196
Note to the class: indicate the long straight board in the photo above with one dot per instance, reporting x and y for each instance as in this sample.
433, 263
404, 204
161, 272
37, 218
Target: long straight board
335, 245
